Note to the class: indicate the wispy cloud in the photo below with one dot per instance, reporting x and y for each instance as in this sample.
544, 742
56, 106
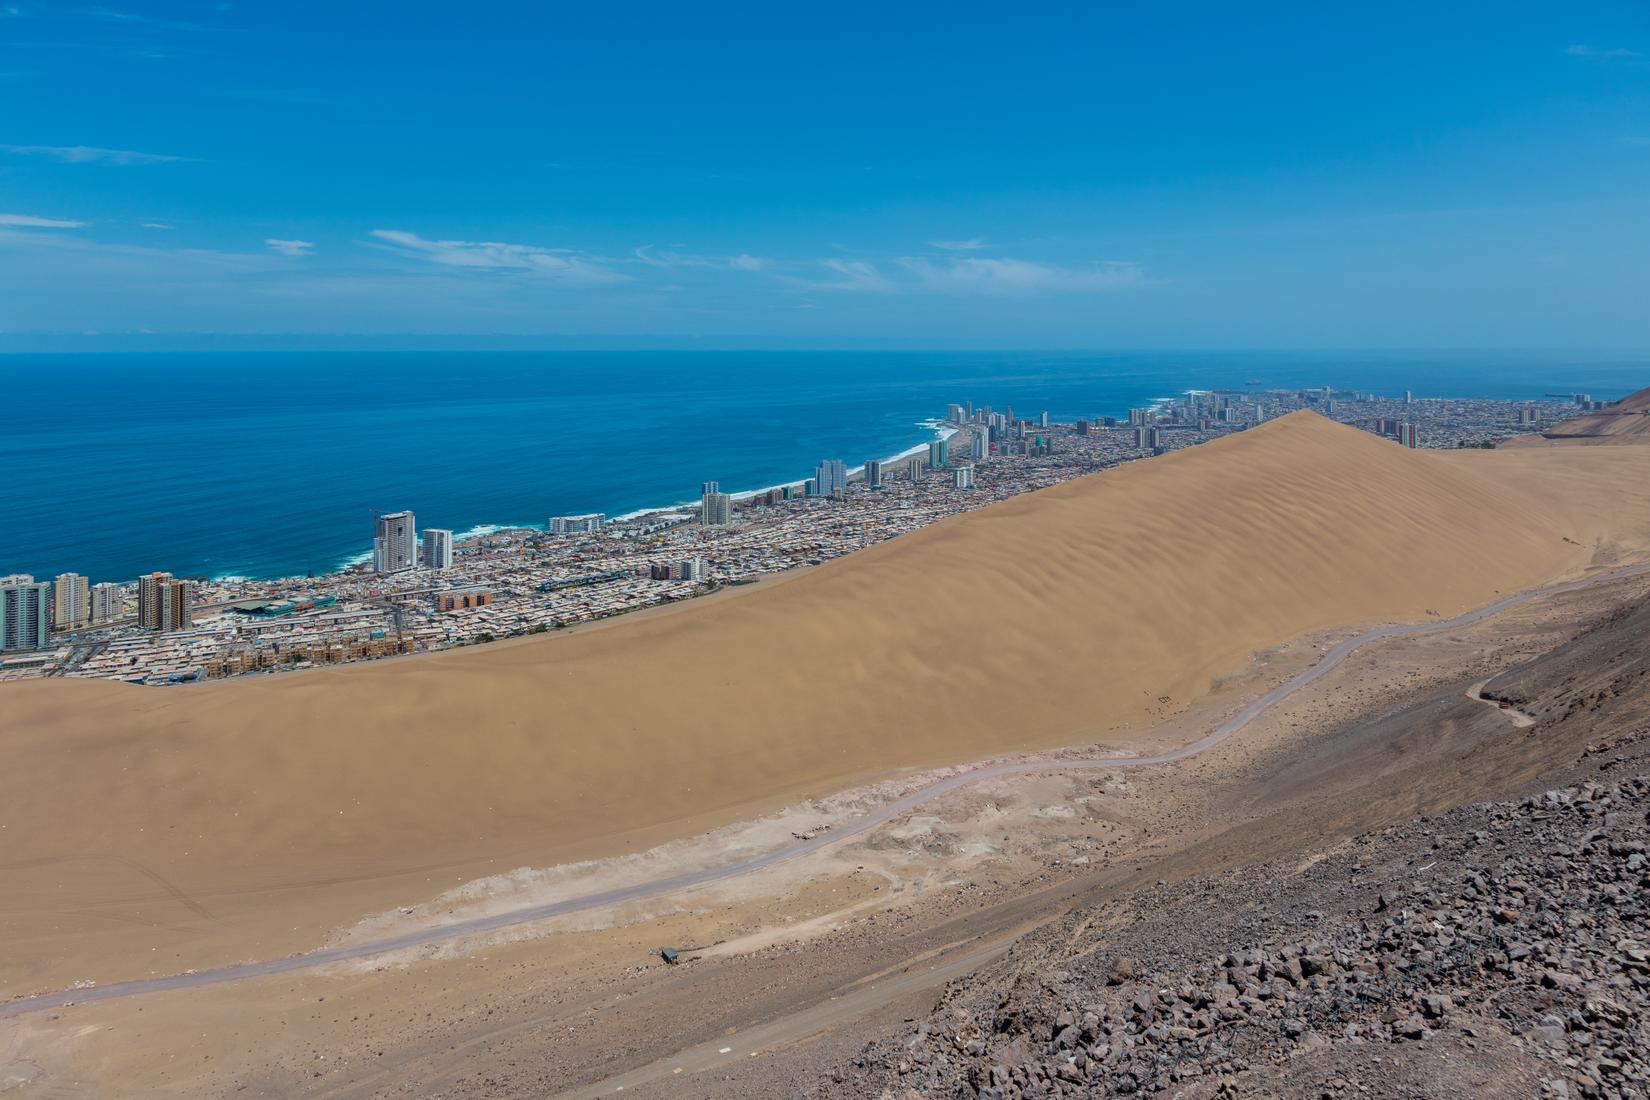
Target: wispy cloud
290, 248
157, 225
285, 97
982, 275
90, 154
742, 262
970, 245
859, 276
560, 263
1599, 53
971, 275
133, 19
28, 221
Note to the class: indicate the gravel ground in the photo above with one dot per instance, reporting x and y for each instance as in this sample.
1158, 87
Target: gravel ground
1499, 949
1514, 935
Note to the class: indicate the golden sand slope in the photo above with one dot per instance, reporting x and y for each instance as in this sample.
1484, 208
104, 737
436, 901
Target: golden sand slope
249, 817
1629, 417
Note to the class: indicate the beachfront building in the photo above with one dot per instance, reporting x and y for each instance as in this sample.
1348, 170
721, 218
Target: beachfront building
873, 473
165, 603
715, 508
108, 602
71, 601
914, 467
979, 447
830, 478
938, 453
588, 523
394, 542
437, 550
24, 616
964, 477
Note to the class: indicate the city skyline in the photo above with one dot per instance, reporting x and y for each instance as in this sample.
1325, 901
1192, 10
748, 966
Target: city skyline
1473, 176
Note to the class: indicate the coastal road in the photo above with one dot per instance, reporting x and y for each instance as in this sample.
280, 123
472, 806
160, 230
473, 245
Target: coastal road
687, 880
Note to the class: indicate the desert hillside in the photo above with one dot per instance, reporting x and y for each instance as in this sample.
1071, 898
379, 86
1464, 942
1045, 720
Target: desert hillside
1419, 958
158, 829
1628, 417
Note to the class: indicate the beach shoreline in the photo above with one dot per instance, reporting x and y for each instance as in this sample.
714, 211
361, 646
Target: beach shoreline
481, 530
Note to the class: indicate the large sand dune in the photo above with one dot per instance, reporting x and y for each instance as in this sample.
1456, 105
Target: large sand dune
145, 829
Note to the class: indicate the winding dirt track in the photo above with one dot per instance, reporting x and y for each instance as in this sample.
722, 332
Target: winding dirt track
689, 879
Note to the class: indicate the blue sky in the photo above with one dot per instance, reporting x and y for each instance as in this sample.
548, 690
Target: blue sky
1076, 175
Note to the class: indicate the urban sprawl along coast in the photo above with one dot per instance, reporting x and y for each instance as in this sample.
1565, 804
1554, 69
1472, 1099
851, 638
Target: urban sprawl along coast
422, 590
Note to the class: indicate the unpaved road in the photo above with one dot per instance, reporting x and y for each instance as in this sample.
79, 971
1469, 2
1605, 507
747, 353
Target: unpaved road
848, 1005
1518, 717
690, 879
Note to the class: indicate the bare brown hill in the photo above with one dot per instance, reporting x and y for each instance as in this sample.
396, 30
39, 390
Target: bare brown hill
155, 829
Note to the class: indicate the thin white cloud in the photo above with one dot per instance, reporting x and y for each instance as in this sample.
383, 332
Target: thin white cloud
157, 225
972, 244
856, 275
91, 154
1599, 53
28, 221
560, 263
644, 254
981, 275
290, 248
111, 15
742, 262
137, 265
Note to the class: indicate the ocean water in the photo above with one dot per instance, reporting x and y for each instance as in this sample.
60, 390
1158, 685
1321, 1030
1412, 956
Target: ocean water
270, 464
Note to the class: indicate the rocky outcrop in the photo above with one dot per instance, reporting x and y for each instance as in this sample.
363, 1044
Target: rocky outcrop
1502, 949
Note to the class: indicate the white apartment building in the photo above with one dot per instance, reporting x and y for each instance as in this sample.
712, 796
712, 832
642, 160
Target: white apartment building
437, 550
394, 542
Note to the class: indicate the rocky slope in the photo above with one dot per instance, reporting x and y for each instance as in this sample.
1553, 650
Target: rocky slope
1500, 949
1514, 937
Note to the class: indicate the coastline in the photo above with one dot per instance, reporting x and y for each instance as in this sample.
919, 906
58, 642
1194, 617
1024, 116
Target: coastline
939, 428
481, 462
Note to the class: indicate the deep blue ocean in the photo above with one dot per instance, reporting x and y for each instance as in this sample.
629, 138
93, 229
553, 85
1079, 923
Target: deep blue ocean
270, 464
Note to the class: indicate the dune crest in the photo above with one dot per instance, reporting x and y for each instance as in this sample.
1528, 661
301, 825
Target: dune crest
267, 811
